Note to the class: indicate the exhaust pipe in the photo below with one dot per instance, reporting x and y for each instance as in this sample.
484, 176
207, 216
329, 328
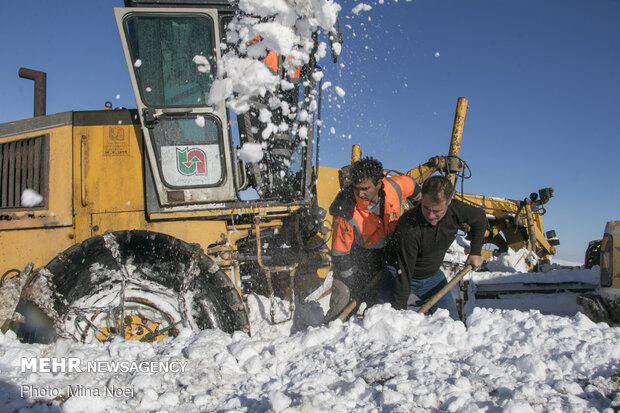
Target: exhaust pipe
40, 88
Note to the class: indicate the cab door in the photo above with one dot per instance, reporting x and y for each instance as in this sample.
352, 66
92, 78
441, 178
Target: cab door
171, 55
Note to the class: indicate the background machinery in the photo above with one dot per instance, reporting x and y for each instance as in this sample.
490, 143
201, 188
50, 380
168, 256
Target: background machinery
514, 224
605, 306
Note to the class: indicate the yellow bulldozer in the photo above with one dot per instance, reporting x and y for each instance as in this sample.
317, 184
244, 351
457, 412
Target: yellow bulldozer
135, 223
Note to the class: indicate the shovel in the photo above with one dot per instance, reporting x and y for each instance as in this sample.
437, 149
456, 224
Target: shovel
344, 314
427, 306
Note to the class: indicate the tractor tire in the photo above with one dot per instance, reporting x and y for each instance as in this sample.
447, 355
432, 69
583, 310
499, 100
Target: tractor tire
140, 285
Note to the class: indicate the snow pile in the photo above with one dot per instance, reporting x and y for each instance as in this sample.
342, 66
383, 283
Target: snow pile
519, 261
515, 359
390, 360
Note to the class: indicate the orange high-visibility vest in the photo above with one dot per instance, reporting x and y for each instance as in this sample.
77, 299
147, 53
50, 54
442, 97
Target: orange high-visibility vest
367, 229
271, 60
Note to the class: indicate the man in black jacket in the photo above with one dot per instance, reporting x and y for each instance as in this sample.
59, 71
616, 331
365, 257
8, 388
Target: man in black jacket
423, 235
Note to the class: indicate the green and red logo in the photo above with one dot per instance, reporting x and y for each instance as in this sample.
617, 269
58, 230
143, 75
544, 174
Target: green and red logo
191, 161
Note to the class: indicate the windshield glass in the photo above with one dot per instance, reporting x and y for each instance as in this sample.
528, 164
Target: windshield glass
189, 151
172, 58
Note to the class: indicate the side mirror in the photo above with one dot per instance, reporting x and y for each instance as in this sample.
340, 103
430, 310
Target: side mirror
545, 194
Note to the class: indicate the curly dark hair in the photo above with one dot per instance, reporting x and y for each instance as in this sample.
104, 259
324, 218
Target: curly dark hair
367, 167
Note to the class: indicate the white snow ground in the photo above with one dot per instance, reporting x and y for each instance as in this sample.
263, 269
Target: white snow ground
512, 360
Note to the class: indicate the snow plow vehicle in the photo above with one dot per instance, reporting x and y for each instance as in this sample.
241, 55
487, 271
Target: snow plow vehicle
144, 221
135, 223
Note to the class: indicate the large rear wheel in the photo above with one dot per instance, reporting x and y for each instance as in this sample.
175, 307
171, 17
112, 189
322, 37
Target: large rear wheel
139, 285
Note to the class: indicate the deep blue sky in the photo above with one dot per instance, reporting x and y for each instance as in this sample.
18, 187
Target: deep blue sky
542, 78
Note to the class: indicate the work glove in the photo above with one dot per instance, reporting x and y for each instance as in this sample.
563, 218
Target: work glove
340, 297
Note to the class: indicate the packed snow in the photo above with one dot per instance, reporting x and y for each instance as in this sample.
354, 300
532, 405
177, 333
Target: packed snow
519, 359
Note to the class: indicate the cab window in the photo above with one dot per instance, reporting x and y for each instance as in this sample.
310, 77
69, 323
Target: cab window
173, 58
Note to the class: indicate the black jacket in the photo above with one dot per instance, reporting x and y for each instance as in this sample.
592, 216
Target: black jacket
420, 247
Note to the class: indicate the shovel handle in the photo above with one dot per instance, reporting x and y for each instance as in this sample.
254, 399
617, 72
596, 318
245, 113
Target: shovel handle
427, 306
344, 314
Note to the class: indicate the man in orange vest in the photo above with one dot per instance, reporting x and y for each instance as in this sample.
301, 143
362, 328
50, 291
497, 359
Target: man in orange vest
364, 214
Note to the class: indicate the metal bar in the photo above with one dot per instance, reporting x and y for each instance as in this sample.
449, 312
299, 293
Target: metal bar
18, 174
24, 167
36, 166
530, 226
30, 148
4, 163
40, 86
83, 170
11, 176
269, 269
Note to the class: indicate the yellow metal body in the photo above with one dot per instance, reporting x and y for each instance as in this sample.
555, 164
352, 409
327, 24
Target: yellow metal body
34, 235
96, 180
605, 306
514, 224
610, 257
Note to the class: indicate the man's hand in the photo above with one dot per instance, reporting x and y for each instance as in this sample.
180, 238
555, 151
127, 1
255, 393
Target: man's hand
474, 260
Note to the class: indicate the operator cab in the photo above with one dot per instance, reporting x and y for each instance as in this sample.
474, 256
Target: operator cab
191, 161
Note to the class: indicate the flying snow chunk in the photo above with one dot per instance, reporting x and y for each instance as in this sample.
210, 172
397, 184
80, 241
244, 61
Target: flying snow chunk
276, 37
437, 54
337, 48
251, 152
264, 8
361, 7
202, 63
137, 63
317, 76
200, 121
340, 91
31, 198
264, 115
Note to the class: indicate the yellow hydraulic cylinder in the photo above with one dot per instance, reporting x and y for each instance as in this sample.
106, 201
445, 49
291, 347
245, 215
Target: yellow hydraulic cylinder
356, 153
457, 137
530, 225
